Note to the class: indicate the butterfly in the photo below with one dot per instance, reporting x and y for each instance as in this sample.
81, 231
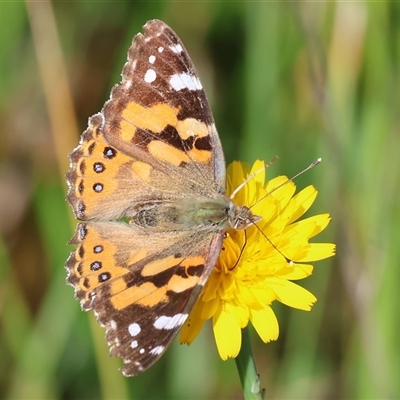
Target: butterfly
147, 180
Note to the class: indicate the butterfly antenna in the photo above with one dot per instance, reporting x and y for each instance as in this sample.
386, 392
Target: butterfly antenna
242, 249
312, 165
288, 260
250, 177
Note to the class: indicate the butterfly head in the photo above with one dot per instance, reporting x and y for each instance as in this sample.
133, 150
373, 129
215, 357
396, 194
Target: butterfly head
240, 217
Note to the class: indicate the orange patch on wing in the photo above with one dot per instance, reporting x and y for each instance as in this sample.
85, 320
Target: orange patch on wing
93, 276
92, 234
178, 284
112, 166
192, 261
161, 265
168, 153
137, 256
147, 295
154, 118
105, 258
92, 237
83, 267
191, 127
90, 195
127, 131
142, 170
117, 286
202, 156
107, 178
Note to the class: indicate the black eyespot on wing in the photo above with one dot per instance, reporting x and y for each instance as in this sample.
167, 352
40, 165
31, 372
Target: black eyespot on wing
105, 276
98, 187
98, 167
109, 152
98, 249
95, 265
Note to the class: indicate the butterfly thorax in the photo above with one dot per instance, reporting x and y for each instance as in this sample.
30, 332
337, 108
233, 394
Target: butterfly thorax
217, 213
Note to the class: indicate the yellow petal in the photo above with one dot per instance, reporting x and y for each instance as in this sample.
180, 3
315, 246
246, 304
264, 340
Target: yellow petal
264, 294
236, 175
265, 323
303, 201
245, 295
310, 227
295, 272
212, 287
321, 222
192, 326
210, 308
258, 169
317, 251
241, 313
282, 190
228, 335
292, 295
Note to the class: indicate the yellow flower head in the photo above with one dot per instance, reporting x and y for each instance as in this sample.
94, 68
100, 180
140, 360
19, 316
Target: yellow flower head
256, 265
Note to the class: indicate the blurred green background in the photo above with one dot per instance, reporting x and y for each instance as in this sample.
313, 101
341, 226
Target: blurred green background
298, 80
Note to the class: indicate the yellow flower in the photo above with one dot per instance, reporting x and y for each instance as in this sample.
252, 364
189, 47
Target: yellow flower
257, 265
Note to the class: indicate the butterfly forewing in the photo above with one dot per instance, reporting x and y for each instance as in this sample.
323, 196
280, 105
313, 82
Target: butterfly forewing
159, 114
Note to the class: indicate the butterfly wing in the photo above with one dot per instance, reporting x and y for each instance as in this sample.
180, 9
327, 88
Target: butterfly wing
140, 285
154, 139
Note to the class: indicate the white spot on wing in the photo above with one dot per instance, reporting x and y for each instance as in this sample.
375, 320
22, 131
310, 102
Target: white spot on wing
113, 324
152, 59
134, 329
141, 351
150, 76
157, 350
134, 344
176, 48
160, 49
165, 322
185, 81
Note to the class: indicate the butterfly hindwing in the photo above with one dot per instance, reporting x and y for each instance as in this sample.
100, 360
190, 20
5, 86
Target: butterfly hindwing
141, 288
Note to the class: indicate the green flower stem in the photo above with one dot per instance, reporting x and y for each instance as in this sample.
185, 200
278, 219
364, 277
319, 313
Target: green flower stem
246, 366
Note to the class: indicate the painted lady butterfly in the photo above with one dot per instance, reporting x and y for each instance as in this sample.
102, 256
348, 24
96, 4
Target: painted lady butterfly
148, 180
